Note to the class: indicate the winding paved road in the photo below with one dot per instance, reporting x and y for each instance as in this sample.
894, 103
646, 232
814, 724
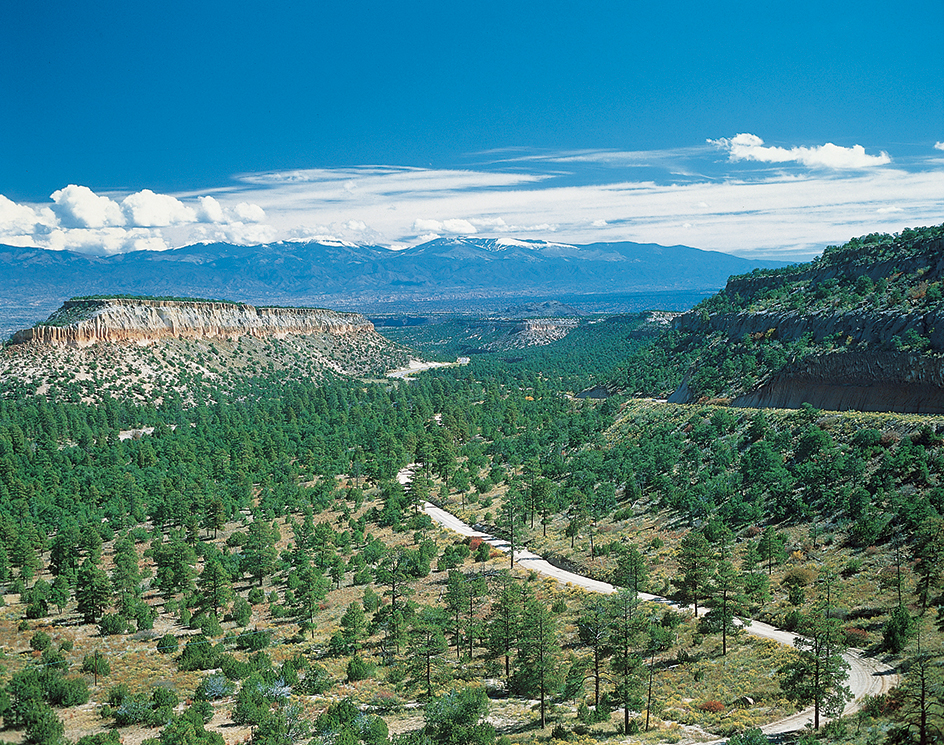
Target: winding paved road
867, 676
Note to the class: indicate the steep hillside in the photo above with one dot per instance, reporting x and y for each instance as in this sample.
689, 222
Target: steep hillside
146, 348
861, 327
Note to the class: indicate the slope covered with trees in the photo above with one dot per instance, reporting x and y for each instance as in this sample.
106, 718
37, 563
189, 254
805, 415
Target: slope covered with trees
861, 327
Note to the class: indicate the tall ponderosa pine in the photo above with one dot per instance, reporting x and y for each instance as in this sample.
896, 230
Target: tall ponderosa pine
696, 566
504, 621
921, 694
626, 663
92, 591
928, 553
728, 602
537, 666
313, 587
770, 546
214, 584
593, 630
259, 552
632, 569
426, 645
818, 673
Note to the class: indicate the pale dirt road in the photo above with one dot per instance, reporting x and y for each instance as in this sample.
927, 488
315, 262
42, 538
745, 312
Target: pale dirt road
417, 366
867, 676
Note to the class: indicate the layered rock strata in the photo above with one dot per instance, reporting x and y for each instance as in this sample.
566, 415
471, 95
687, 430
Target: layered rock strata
80, 323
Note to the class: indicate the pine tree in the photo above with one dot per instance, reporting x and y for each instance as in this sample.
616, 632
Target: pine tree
457, 596
632, 570
259, 553
626, 664
770, 546
426, 644
313, 587
921, 694
504, 621
817, 675
928, 552
92, 591
729, 602
537, 666
354, 627
215, 585
593, 631
696, 566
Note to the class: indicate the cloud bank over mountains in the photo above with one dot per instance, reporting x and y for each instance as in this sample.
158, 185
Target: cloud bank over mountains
749, 202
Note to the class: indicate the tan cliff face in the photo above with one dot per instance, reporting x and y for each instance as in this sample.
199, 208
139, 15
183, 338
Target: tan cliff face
81, 323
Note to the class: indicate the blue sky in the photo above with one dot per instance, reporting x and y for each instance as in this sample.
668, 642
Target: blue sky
764, 129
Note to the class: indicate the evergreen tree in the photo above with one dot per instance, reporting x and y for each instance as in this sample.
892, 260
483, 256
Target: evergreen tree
312, 589
393, 573
632, 570
354, 627
259, 553
425, 646
175, 571
214, 584
92, 591
626, 664
458, 592
921, 694
593, 631
770, 546
817, 676
504, 621
729, 602
696, 566
537, 666
928, 553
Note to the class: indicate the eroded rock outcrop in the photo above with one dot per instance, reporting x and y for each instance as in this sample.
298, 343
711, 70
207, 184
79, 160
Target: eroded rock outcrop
856, 381
81, 323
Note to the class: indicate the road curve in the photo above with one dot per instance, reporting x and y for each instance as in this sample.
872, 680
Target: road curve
867, 676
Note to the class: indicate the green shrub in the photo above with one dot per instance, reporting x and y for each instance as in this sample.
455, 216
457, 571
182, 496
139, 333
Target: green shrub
199, 654
40, 641
96, 664
65, 692
242, 611
167, 644
359, 669
112, 624
253, 640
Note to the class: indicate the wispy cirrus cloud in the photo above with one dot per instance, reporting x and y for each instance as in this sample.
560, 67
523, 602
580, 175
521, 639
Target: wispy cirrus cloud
814, 196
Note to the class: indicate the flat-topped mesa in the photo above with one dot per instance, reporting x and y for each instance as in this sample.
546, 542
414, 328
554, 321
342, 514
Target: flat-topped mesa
83, 322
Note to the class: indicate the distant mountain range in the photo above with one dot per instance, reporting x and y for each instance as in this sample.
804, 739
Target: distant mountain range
446, 267
335, 272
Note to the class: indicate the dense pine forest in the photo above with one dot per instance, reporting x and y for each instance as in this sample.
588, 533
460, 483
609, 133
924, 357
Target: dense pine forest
252, 567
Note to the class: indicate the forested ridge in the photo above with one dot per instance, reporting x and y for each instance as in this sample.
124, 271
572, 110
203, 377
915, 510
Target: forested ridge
871, 307
246, 565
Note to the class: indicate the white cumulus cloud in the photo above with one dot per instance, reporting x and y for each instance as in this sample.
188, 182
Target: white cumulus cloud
210, 210
80, 207
16, 218
751, 147
939, 145
247, 212
149, 210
